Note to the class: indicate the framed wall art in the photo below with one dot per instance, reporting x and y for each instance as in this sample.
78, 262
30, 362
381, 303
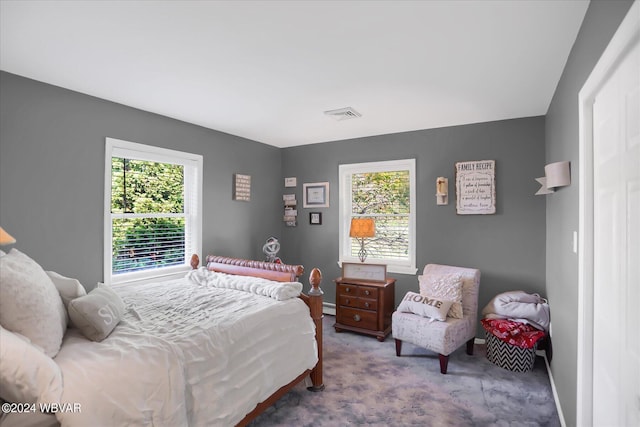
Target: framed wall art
476, 187
315, 195
315, 218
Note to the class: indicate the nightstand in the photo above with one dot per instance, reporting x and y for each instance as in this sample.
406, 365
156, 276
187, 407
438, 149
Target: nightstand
365, 307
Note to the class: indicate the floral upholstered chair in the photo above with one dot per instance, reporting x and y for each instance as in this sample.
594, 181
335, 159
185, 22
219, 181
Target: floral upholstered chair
448, 283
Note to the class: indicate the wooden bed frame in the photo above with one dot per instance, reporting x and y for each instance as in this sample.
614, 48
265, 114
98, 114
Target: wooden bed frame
313, 299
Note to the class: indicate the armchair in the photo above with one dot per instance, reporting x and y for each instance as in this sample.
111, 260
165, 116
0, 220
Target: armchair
442, 337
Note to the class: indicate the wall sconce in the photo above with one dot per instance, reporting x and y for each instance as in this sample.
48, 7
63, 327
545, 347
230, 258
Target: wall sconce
556, 175
6, 238
442, 190
362, 228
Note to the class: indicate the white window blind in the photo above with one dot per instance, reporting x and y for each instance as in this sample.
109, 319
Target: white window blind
153, 203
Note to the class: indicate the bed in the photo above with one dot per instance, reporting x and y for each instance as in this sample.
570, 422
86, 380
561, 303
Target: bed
215, 348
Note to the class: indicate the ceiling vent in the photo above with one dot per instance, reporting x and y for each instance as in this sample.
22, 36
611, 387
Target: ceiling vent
343, 114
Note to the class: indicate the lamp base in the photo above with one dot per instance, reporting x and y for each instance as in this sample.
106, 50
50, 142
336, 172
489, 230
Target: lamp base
362, 253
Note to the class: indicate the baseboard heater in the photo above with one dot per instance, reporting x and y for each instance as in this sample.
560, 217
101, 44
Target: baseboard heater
329, 308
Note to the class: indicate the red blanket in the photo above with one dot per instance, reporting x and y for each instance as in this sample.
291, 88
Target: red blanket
514, 333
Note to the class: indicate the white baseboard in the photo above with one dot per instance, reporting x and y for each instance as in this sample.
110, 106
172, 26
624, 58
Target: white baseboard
329, 308
553, 388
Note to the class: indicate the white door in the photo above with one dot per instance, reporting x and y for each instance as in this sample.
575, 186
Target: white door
608, 382
616, 244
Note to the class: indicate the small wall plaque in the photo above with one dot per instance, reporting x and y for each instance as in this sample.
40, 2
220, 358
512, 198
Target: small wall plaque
315, 218
362, 271
290, 181
241, 187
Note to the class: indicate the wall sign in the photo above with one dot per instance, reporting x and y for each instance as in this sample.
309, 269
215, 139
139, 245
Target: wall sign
290, 210
291, 181
362, 271
476, 187
241, 187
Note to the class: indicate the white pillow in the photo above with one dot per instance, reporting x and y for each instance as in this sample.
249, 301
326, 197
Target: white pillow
424, 306
30, 303
68, 288
97, 313
445, 286
2, 253
27, 375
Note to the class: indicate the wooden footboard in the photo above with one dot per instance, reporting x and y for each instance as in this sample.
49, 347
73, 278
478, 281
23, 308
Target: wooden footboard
247, 267
313, 299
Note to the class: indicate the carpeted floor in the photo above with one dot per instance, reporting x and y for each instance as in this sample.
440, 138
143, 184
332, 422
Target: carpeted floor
366, 384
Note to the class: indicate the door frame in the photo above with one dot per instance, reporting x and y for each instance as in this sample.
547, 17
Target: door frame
625, 37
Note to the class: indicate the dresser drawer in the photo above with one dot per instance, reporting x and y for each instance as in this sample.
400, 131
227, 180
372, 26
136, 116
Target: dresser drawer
347, 289
364, 303
368, 292
367, 304
348, 301
358, 318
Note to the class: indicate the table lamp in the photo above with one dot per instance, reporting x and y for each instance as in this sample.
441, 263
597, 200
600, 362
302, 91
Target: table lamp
362, 228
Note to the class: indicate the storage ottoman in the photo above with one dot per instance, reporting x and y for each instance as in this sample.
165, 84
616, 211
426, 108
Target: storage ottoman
516, 350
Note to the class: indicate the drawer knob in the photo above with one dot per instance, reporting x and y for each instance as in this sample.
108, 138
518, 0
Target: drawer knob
367, 292
356, 318
348, 301
366, 305
347, 289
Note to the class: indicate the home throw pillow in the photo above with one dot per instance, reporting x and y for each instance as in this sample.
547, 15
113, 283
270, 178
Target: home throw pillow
425, 306
30, 304
97, 313
447, 287
27, 375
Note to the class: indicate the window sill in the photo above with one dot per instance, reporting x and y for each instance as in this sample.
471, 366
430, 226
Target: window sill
151, 276
399, 269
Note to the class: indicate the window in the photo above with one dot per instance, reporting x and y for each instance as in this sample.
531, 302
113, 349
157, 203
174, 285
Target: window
152, 211
384, 191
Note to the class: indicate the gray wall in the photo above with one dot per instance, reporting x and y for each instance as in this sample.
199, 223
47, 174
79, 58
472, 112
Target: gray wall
599, 25
52, 172
52, 176
507, 247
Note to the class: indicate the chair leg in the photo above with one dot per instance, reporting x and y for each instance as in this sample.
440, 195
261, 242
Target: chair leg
470, 346
398, 347
444, 361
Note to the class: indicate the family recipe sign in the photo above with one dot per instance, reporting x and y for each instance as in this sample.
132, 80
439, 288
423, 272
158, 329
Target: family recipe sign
476, 187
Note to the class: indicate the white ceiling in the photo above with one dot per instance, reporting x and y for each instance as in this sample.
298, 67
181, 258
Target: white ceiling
267, 70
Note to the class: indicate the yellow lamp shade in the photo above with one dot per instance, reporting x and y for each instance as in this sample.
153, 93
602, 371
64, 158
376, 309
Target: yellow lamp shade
362, 227
6, 238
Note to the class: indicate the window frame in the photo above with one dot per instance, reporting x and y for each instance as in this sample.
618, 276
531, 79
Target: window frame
345, 202
193, 172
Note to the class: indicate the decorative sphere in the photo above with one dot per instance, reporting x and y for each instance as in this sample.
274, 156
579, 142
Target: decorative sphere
271, 248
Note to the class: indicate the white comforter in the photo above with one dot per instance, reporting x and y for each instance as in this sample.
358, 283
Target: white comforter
188, 352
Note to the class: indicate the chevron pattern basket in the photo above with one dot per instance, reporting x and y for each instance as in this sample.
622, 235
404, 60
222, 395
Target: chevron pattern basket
508, 356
